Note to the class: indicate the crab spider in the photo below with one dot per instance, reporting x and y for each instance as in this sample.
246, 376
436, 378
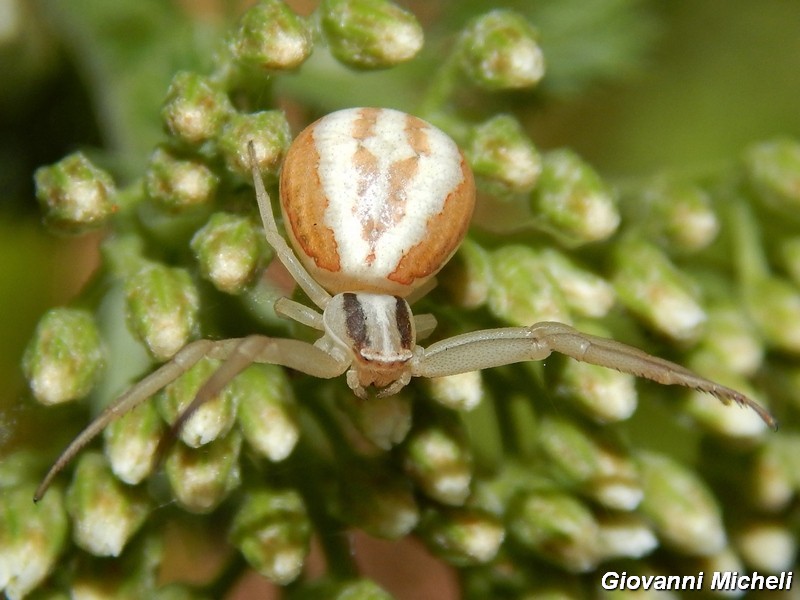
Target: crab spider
375, 202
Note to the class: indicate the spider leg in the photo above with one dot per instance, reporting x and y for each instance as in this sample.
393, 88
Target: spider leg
478, 350
241, 356
238, 354
314, 290
425, 325
616, 355
187, 357
301, 313
254, 349
496, 347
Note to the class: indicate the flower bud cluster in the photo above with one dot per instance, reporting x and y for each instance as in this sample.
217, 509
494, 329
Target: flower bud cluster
529, 479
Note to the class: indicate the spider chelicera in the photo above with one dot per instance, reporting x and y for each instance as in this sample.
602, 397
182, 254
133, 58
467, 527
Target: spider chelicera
375, 202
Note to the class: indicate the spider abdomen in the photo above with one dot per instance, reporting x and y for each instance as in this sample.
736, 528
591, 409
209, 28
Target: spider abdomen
375, 200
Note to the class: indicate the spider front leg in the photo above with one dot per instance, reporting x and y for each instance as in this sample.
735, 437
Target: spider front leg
313, 289
496, 347
237, 355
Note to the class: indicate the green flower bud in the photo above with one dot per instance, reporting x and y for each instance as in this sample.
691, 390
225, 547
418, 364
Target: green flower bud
725, 561
362, 589
271, 36
774, 304
202, 478
370, 34
591, 464
775, 478
131, 442
767, 546
730, 421
463, 537
556, 527
438, 459
17, 466
586, 293
676, 213
521, 579
75, 195
272, 530
493, 494
651, 287
458, 392
357, 589
789, 376
229, 250
195, 108
773, 169
689, 222
604, 395
500, 51
571, 202
270, 134
105, 512
683, 511
64, 358
266, 410
212, 420
177, 184
162, 307
32, 537
523, 292
91, 585
383, 421
790, 252
730, 340
626, 536
377, 501
177, 591
468, 277
501, 154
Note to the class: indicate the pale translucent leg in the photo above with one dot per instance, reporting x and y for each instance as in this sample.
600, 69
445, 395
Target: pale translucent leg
355, 385
285, 254
299, 312
395, 387
246, 351
496, 347
425, 325
238, 354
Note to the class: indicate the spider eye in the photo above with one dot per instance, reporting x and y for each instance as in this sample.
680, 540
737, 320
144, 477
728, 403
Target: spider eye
379, 329
389, 357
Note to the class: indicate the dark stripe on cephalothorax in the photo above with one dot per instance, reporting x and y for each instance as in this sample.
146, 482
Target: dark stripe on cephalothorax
355, 321
403, 321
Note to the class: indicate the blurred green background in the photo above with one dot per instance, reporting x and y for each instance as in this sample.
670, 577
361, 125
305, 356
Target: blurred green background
671, 84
